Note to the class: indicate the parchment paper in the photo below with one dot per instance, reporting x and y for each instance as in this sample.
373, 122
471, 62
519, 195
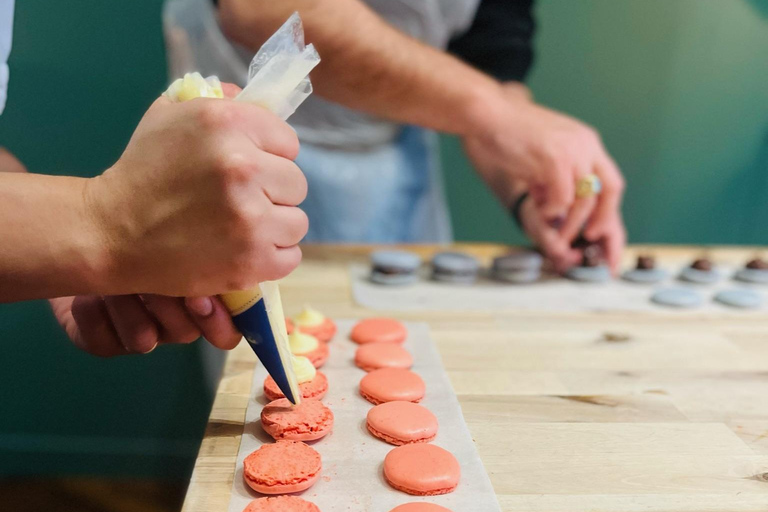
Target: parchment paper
352, 478
552, 293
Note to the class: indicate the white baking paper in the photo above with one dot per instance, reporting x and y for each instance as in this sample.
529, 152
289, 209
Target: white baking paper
552, 293
352, 479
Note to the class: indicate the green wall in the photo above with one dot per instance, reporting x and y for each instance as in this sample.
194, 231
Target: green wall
677, 87
82, 73
679, 91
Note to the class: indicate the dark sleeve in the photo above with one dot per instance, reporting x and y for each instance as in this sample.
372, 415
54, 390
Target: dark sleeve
500, 40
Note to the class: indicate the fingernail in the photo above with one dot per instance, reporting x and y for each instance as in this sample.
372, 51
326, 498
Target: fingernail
201, 306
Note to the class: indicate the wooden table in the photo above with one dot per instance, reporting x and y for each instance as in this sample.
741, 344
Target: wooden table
672, 418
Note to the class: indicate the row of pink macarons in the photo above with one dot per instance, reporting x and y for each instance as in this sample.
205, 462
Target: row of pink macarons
414, 467
290, 465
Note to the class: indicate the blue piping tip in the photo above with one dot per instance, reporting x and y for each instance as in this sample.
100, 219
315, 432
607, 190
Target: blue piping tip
254, 324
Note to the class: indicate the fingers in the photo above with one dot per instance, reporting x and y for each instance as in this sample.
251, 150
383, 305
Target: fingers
293, 225
554, 246
614, 241
176, 326
214, 321
609, 200
230, 90
135, 327
284, 184
577, 218
267, 131
558, 193
91, 329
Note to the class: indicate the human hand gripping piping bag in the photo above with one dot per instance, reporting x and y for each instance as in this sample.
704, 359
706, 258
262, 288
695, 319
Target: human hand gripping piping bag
278, 80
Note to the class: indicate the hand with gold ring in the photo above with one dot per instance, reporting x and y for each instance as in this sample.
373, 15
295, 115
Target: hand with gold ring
553, 155
588, 186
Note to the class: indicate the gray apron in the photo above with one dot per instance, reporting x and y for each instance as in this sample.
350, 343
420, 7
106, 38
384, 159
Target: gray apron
370, 180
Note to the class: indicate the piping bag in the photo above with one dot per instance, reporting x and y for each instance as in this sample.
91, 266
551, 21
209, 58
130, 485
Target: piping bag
278, 80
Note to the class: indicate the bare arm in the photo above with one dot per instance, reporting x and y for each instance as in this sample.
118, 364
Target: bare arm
50, 246
369, 65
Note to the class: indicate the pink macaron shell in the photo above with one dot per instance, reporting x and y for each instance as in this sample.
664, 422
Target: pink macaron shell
281, 504
419, 507
316, 388
391, 384
308, 421
373, 356
400, 423
281, 468
422, 469
317, 357
378, 330
323, 332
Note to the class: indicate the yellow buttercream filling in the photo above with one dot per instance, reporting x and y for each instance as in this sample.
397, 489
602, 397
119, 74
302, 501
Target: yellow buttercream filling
309, 317
302, 343
303, 368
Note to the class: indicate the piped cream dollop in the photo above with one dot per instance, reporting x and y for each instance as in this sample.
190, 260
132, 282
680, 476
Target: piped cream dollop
303, 368
302, 343
309, 317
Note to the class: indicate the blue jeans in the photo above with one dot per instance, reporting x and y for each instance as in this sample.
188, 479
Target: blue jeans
388, 194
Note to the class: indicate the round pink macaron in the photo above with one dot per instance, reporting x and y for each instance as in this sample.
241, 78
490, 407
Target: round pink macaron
373, 356
419, 507
401, 423
378, 330
308, 421
422, 470
281, 468
390, 384
316, 388
281, 504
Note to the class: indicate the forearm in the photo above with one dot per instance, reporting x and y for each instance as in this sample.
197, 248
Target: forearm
50, 246
369, 65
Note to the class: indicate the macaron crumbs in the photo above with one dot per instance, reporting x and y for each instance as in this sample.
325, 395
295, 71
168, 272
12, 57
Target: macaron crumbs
308, 421
282, 467
281, 504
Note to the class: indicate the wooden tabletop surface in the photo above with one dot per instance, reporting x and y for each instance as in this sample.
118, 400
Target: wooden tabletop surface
673, 417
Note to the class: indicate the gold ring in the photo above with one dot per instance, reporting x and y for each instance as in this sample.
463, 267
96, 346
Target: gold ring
588, 186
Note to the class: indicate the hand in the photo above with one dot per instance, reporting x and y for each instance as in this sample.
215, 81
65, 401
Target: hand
202, 201
548, 152
547, 237
556, 241
137, 324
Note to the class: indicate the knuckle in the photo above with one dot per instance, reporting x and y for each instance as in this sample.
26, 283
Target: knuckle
592, 136
233, 167
290, 144
300, 184
213, 114
302, 223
